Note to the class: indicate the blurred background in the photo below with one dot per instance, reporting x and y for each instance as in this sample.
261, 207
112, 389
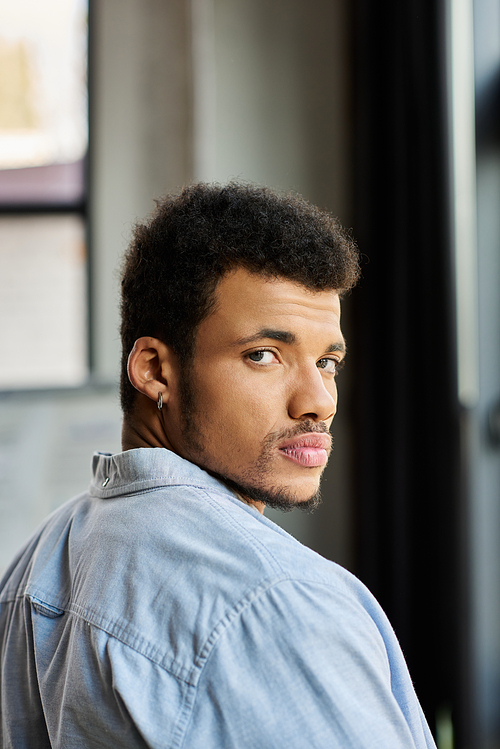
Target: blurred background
385, 113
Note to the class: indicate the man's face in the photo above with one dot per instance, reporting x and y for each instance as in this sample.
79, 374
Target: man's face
260, 396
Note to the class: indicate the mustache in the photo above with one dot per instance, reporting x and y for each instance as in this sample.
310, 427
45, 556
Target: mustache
305, 427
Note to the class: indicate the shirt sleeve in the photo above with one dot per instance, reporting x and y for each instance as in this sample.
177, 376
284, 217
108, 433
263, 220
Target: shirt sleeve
302, 665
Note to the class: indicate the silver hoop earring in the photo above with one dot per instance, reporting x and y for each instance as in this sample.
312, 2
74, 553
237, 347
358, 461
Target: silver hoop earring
160, 401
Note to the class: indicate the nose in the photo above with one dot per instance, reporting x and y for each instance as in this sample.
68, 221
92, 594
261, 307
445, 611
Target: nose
313, 396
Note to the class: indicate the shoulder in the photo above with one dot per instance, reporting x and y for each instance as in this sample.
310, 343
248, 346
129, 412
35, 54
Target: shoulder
302, 659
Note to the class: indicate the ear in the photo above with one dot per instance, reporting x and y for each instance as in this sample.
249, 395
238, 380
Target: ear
151, 367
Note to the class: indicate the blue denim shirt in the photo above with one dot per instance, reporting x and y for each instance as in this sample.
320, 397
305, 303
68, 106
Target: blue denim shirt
158, 610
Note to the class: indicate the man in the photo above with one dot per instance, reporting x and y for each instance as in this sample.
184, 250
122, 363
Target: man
161, 608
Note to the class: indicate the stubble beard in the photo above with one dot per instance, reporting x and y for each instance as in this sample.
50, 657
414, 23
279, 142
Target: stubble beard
252, 484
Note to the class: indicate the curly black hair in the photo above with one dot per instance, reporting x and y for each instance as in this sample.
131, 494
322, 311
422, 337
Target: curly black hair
178, 256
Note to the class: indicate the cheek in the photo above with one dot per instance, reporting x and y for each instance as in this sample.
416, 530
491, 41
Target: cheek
229, 388
242, 405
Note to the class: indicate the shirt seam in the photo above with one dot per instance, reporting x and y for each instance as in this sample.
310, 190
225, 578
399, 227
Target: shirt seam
228, 620
192, 677
201, 660
117, 630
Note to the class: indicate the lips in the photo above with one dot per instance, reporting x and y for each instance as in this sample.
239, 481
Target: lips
309, 450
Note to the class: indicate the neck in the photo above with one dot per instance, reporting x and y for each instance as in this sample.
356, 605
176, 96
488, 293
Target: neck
140, 429
143, 427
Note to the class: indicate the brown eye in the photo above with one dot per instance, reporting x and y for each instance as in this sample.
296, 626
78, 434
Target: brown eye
256, 356
262, 356
329, 365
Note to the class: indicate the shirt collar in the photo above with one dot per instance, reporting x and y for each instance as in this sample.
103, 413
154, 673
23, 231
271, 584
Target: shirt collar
146, 468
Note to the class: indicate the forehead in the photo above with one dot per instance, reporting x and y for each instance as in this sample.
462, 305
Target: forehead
248, 301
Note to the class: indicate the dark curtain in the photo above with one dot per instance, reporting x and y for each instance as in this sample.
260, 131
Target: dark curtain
408, 469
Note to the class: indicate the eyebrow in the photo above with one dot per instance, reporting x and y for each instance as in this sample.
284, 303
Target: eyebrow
285, 336
340, 347
276, 335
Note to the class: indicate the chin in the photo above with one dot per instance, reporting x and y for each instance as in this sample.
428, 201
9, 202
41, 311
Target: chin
277, 497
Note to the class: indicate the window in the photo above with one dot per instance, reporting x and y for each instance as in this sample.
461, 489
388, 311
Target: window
43, 147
